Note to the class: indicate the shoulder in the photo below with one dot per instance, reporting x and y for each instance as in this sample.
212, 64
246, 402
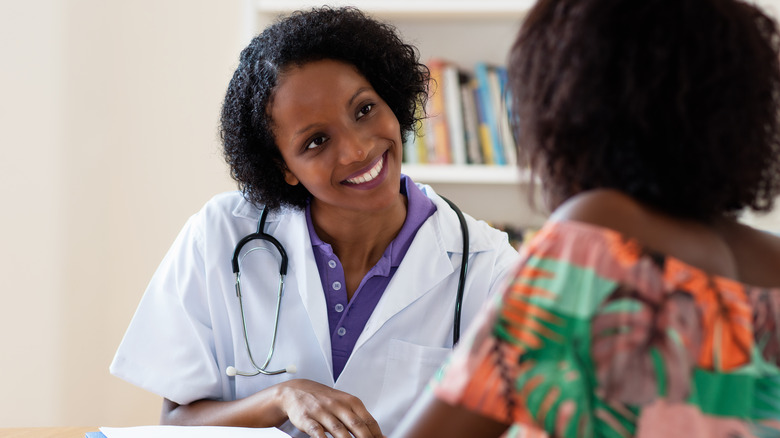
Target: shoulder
756, 252
227, 202
726, 248
692, 242
603, 207
484, 240
233, 205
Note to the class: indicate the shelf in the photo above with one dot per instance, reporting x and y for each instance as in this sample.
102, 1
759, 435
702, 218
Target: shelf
416, 9
465, 174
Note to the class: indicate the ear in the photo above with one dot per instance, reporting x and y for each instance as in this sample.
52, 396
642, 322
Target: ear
289, 177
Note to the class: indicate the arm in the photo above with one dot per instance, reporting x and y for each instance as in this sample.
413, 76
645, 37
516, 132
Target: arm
311, 407
432, 418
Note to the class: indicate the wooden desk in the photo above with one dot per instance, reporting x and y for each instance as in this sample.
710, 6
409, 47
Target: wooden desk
46, 432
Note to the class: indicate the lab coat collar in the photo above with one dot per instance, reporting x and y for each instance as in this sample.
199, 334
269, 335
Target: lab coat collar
448, 226
414, 277
438, 237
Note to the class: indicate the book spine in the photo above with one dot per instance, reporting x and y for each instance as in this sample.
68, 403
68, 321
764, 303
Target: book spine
504, 126
454, 110
497, 107
487, 93
438, 115
483, 131
471, 123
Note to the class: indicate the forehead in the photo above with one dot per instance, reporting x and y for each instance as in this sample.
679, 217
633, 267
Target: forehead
317, 80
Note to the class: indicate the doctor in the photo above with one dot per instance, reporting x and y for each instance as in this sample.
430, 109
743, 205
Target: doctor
312, 127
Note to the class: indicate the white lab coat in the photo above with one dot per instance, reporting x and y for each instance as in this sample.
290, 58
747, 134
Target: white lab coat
187, 328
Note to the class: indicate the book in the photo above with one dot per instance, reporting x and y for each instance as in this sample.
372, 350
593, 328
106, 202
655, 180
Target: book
454, 110
437, 135
504, 127
483, 131
415, 147
489, 95
470, 123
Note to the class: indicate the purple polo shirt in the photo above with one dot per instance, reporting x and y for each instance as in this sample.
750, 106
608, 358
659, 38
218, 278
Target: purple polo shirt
348, 318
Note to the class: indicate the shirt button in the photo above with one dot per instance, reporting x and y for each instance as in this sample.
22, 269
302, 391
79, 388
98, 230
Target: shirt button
331, 264
339, 307
341, 331
336, 285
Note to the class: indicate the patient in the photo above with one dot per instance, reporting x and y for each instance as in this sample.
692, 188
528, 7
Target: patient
643, 307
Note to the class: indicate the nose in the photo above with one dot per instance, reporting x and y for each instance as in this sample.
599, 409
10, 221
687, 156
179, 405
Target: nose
353, 147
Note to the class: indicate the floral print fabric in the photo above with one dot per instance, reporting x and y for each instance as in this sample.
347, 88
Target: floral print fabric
596, 336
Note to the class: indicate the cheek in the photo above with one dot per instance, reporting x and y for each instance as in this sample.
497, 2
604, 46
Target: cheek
391, 128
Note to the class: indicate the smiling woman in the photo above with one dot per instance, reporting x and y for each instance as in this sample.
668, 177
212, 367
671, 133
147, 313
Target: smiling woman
312, 127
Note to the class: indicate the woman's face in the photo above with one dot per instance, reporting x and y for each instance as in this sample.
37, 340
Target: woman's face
337, 136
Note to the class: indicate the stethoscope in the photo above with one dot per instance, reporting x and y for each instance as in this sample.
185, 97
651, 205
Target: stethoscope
262, 235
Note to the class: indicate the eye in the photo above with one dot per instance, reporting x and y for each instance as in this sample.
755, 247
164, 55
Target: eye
364, 110
316, 142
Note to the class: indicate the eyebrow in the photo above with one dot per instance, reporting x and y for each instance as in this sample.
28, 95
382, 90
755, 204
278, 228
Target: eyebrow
359, 91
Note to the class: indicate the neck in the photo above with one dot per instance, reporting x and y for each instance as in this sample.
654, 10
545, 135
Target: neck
359, 238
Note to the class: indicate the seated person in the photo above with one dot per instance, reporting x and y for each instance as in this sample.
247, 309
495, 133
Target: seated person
312, 126
643, 307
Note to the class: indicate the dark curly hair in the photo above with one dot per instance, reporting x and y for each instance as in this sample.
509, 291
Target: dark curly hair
673, 102
391, 66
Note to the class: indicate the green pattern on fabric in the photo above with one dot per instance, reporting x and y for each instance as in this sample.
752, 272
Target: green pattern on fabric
583, 289
711, 388
660, 371
623, 305
767, 398
610, 422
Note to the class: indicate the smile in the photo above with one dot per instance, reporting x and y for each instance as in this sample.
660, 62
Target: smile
370, 174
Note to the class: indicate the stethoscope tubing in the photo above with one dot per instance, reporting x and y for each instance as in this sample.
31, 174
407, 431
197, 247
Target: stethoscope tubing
261, 235
464, 266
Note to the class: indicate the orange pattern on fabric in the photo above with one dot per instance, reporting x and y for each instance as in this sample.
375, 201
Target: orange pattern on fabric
624, 251
486, 391
726, 318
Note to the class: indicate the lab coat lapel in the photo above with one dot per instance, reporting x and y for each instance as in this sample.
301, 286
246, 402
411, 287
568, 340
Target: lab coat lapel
303, 269
425, 265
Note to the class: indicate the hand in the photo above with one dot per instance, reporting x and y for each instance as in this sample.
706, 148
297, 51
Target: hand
315, 409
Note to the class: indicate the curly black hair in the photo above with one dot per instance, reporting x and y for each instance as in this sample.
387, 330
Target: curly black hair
673, 102
391, 66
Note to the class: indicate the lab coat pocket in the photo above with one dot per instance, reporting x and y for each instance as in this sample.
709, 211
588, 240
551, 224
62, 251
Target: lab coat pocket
408, 369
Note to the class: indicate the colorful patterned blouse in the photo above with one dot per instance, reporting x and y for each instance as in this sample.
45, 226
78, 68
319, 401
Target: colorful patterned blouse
597, 336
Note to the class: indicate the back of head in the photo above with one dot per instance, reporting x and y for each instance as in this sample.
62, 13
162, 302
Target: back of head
673, 102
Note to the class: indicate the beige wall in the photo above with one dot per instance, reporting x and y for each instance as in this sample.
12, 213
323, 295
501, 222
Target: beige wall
108, 122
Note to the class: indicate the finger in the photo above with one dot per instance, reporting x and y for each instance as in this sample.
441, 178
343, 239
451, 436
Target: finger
359, 421
355, 425
312, 428
336, 427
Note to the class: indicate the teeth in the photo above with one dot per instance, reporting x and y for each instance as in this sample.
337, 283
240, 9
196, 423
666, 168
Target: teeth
368, 176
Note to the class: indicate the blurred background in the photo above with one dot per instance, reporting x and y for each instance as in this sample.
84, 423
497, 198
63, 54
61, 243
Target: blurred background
108, 124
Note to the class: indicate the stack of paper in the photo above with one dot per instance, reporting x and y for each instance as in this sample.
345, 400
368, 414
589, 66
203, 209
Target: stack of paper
191, 432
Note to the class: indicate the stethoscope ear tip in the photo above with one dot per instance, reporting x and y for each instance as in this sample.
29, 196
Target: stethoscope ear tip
292, 369
231, 371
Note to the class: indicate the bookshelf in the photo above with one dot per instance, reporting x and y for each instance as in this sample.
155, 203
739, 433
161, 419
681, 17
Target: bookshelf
464, 32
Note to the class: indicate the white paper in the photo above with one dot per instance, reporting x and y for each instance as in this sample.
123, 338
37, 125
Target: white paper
191, 432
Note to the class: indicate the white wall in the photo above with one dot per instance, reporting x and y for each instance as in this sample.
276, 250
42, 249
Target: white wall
108, 126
